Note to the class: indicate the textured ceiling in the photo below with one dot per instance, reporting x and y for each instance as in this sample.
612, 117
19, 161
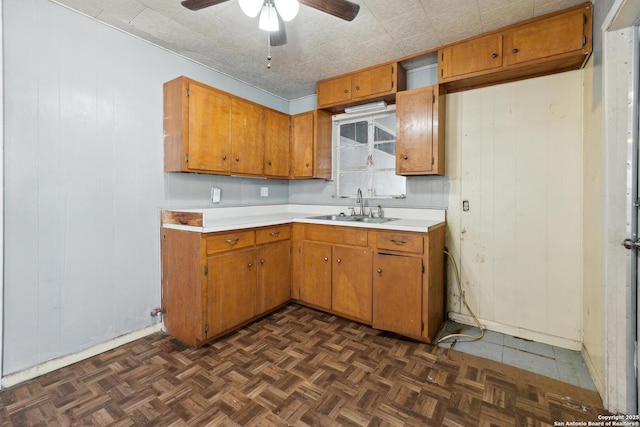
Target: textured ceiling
319, 45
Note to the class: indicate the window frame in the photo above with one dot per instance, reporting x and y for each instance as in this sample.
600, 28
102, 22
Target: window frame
368, 190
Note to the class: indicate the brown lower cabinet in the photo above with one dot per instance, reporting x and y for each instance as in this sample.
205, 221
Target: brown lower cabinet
391, 280
213, 283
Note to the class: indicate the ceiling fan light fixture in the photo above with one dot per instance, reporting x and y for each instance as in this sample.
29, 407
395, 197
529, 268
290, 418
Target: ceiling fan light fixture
288, 9
251, 8
268, 18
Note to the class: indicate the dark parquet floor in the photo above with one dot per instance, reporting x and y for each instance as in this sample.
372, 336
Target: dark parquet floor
296, 367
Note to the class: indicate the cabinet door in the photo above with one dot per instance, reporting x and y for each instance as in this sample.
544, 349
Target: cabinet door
209, 131
274, 275
417, 131
561, 34
247, 137
231, 290
477, 55
302, 155
397, 294
351, 282
311, 145
315, 278
277, 144
374, 81
334, 91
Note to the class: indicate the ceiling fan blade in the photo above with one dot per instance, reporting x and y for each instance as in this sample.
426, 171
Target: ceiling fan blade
343, 9
200, 4
278, 38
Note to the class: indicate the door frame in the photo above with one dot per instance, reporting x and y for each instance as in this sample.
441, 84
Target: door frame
1, 190
619, 53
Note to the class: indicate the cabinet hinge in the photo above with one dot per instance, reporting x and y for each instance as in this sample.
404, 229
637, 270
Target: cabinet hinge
423, 266
187, 92
186, 158
206, 269
422, 327
392, 69
584, 19
584, 40
441, 73
206, 327
433, 98
433, 161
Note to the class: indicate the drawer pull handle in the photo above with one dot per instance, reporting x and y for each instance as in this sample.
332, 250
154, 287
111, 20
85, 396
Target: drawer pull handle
249, 265
261, 261
232, 241
224, 157
380, 270
274, 233
515, 50
237, 159
338, 260
404, 157
326, 259
399, 242
346, 91
494, 55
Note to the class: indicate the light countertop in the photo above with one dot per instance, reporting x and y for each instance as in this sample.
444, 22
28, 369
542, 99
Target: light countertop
207, 220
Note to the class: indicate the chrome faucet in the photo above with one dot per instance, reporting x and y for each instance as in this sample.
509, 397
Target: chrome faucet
380, 212
360, 202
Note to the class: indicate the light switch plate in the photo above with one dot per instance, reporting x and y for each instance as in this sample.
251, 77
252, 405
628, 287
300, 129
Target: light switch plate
215, 195
264, 191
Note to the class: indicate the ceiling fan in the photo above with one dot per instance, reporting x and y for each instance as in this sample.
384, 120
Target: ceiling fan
280, 11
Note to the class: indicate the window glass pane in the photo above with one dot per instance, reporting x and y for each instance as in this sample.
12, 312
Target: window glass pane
384, 155
387, 183
351, 181
353, 157
356, 132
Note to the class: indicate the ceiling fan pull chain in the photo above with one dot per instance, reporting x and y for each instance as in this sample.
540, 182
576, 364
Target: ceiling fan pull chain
269, 49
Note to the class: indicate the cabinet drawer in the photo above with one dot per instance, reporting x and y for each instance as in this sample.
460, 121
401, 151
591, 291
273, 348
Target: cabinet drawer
229, 241
336, 234
401, 242
273, 234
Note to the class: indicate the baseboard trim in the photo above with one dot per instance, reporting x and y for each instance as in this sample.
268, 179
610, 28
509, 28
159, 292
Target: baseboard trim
519, 332
60, 362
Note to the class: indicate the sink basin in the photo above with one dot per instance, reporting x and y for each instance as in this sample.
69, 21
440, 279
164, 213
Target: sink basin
340, 217
374, 220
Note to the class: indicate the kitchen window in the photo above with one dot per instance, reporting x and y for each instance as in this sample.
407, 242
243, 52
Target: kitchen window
365, 153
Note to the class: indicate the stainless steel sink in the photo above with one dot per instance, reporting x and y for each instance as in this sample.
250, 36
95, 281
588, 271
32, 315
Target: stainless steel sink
374, 220
341, 217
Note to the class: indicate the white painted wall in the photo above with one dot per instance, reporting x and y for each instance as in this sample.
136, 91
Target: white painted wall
516, 152
84, 180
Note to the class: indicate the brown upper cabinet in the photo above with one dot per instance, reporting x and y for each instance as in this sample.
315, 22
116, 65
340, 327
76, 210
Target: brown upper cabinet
197, 127
380, 82
311, 145
420, 131
247, 137
277, 147
210, 131
549, 44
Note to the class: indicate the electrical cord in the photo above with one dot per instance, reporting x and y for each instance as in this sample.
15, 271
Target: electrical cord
466, 304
